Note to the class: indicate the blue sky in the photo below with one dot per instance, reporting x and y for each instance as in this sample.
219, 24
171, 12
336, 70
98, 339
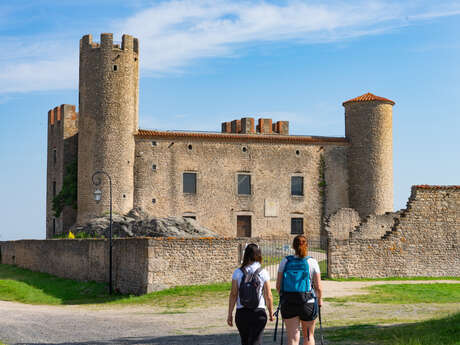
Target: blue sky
204, 62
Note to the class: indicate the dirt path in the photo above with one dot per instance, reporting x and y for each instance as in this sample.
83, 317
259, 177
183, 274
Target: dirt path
132, 325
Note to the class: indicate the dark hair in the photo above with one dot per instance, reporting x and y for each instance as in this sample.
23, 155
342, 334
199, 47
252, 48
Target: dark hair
300, 246
251, 253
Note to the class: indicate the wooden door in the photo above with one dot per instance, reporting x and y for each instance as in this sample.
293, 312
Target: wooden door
243, 226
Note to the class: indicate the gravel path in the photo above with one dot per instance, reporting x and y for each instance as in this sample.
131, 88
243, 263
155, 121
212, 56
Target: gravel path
132, 325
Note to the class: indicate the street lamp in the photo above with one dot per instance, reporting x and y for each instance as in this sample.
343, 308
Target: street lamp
97, 197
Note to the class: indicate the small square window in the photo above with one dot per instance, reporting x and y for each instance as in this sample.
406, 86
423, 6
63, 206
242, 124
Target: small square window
297, 185
189, 183
244, 184
296, 226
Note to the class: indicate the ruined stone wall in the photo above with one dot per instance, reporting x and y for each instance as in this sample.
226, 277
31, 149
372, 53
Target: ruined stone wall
424, 241
160, 164
341, 223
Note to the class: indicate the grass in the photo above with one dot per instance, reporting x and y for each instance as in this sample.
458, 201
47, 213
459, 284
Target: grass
25, 286
392, 279
444, 331
21, 285
406, 294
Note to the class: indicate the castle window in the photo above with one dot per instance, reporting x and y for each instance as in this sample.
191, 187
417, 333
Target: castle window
297, 152
154, 201
154, 167
190, 147
115, 68
189, 183
244, 184
297, 185
296, 226
54, 226
54, 189
245, 149
54, 156
154, 143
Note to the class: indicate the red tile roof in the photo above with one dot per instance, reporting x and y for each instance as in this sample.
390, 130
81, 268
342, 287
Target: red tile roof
146, 134
369, 97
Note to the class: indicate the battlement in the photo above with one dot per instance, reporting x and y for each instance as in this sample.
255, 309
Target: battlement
56, 114
246, 125
128, 42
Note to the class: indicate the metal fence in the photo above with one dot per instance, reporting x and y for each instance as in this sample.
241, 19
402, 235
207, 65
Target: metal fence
274, 250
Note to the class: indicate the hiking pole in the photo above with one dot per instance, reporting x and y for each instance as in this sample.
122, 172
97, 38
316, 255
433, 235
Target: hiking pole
276, 324
320, 326
282, 329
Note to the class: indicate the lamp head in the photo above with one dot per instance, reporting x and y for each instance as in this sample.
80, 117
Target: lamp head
97, 195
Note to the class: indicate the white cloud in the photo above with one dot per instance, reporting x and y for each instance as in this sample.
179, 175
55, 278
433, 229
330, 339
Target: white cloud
175, 33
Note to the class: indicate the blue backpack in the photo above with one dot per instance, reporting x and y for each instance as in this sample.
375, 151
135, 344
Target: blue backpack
296, 278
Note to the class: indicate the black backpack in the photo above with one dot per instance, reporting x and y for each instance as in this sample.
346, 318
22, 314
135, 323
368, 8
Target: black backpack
249, 290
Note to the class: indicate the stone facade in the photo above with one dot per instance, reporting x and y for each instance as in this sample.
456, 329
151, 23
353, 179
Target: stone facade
147, 167
424, 240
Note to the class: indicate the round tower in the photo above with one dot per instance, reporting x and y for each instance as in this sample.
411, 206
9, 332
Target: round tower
368, 127
108, 120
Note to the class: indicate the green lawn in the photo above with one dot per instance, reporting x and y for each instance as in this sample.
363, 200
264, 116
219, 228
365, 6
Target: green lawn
406, 294
392, 279
444, 331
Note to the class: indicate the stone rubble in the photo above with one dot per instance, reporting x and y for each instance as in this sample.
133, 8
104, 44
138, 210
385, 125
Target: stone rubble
137, 223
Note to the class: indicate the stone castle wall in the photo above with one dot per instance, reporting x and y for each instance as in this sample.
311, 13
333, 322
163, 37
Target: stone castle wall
424, 240
160, 164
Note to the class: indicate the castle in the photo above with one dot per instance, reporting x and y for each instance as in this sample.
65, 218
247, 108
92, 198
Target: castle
247, 180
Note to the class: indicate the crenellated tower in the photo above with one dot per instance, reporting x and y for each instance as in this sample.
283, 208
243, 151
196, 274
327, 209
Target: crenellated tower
108, 109
368, 127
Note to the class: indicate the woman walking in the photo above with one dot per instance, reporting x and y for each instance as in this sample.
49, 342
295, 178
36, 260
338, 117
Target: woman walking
299, 308
250, 321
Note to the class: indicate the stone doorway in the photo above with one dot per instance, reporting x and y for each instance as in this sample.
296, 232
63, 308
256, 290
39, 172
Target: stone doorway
243, 226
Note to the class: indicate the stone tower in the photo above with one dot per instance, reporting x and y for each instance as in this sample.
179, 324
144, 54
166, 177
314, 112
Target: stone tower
62, 155
108, 120
368, 127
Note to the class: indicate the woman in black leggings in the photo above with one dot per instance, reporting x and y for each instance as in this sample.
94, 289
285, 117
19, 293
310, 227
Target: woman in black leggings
251, 321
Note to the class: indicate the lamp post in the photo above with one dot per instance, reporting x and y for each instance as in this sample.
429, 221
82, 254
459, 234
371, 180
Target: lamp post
97, 197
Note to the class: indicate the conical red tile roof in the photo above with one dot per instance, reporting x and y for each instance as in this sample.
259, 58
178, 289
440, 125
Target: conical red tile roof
369, 97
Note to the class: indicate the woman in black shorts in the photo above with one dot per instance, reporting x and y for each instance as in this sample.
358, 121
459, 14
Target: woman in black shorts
301, 312
251, 322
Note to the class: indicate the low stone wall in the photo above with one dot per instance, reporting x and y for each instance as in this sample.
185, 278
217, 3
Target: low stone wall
189, 261
424, 241
140, 265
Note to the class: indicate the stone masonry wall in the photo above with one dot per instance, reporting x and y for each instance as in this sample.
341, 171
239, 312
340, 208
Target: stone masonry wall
140, 265
341, 223
424, 241
189, 261
83, 260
